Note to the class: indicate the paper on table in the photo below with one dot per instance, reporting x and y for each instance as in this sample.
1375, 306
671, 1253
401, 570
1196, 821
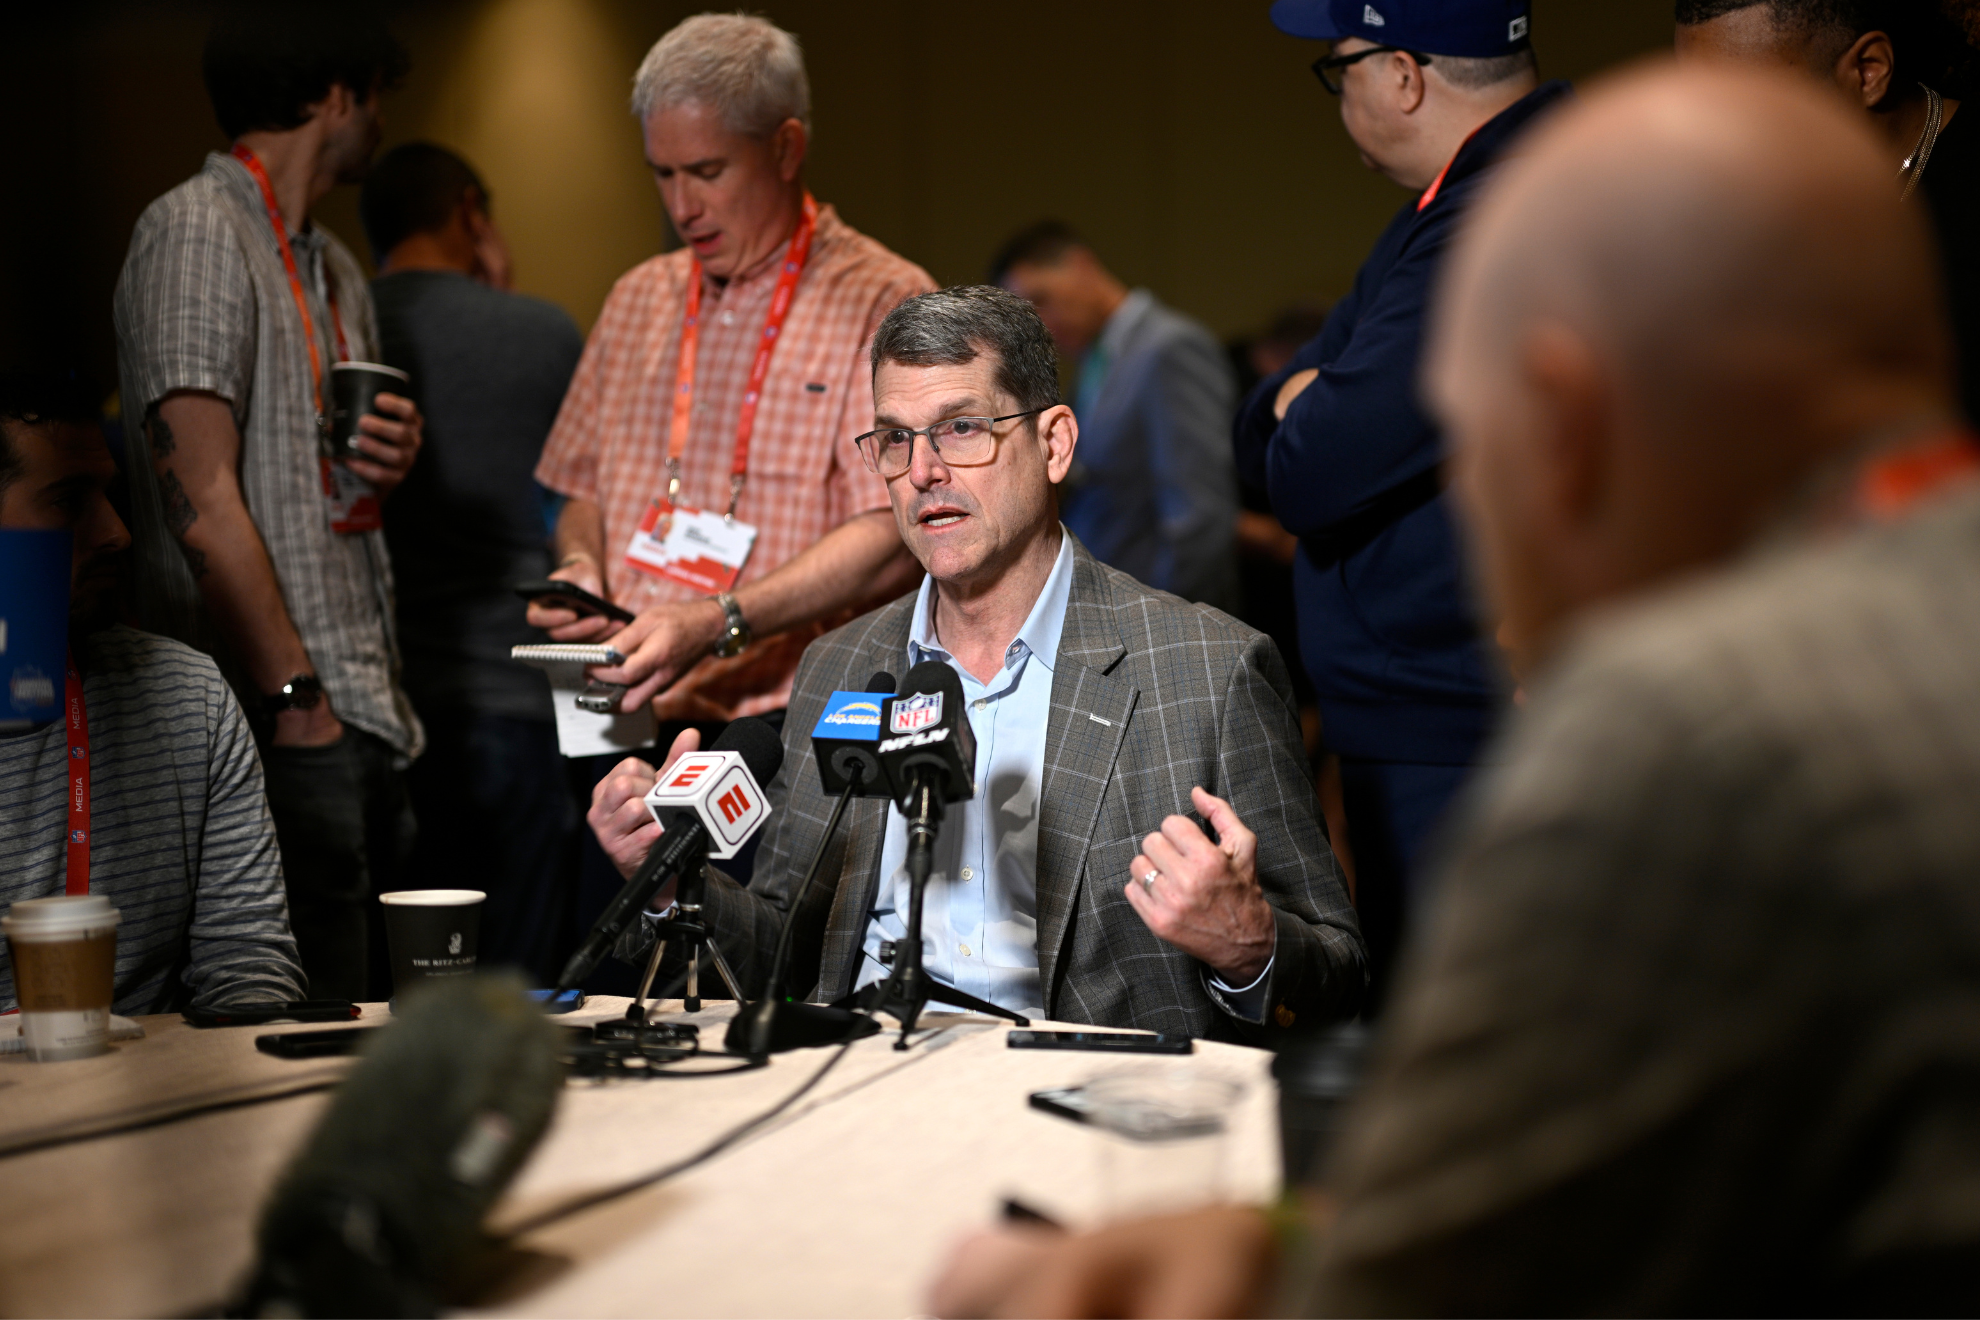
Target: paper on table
581, 732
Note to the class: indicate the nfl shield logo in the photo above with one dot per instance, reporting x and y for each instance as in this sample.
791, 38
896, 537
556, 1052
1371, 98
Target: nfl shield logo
916, 712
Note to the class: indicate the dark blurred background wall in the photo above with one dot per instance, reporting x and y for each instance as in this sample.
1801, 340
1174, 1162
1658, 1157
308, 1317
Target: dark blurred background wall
1185, 137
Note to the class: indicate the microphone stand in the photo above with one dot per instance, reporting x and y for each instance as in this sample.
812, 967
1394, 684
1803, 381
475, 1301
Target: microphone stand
771, 1025
686, 926
909, 989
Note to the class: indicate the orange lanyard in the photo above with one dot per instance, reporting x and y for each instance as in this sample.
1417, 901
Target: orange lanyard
1888, 486
1437, 184
773, 325
246, 156
76, 715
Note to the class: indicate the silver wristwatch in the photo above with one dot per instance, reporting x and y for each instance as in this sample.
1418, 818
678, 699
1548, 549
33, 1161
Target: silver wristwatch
736, 635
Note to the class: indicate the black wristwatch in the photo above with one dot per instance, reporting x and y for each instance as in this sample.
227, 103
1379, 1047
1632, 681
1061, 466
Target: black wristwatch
300, 693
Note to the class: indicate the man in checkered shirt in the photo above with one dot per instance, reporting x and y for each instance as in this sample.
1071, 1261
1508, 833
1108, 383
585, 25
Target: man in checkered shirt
232, 312
725, 109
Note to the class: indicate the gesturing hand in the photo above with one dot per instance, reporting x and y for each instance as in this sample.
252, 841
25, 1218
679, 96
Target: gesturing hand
626, 830
1203, 897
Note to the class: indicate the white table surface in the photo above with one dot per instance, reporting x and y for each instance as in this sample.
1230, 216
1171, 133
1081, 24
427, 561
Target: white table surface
842, 1206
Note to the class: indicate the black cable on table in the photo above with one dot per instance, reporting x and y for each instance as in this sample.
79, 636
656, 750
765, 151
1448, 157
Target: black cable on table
680, 1166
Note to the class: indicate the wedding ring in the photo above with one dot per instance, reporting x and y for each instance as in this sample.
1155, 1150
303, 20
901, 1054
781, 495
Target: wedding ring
1148, 881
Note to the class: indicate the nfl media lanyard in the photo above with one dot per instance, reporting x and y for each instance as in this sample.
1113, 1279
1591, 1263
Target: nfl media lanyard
773, 326
75, 715
1887, 487
245, 155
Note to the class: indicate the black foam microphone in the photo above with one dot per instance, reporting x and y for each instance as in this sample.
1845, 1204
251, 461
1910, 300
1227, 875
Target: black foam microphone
381, 1213
708, 803
848, 766
926, 743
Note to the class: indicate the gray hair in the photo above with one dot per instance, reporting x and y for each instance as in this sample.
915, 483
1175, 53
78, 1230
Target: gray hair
746, 68
950, 327
1476, 74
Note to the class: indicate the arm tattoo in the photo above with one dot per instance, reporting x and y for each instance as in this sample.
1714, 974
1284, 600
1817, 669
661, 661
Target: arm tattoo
180, 515
162, 441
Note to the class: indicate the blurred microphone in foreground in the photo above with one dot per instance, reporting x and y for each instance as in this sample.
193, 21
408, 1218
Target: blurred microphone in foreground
381, 1214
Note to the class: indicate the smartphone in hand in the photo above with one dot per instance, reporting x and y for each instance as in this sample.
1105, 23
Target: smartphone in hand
569, 596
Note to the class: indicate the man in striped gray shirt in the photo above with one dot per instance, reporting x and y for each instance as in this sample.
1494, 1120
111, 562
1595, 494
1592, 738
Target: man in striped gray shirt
232, 311
180, 839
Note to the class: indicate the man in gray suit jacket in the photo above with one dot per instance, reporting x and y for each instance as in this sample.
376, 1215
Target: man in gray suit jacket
1071, 885
1153, 490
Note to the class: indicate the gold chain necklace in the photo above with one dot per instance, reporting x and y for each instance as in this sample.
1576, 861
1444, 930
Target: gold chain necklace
1913, 168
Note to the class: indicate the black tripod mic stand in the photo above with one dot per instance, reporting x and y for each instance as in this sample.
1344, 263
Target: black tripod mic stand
910, 988
686, 926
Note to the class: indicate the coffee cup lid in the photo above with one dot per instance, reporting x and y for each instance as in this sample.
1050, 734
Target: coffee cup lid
433, 897
373, 366
63, 912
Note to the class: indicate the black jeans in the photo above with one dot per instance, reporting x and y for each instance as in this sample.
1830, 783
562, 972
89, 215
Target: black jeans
495, 815
345, 825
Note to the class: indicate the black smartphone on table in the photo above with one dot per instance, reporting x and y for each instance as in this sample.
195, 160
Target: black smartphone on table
314, 1044
254, 1015
567, 596
1105, 1042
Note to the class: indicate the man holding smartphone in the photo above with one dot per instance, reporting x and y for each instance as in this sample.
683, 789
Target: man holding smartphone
232, 311
706, 443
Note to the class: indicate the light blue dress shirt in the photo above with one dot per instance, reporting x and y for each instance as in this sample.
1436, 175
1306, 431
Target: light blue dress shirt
979, 918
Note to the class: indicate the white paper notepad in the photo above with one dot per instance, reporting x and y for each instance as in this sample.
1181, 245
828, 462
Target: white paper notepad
581, 732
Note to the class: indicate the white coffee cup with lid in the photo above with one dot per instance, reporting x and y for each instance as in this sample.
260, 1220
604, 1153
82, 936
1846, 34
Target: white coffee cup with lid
65, 960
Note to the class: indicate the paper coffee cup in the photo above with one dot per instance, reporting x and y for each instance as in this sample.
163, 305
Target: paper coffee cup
432, 933
65, 961
353, 387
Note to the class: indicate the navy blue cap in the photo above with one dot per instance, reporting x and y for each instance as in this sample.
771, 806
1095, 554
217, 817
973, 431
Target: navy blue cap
1464, 29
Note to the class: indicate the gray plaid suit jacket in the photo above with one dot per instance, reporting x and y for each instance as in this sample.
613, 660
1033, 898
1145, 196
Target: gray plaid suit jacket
1151, 696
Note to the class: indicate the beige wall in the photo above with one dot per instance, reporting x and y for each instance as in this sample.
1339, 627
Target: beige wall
1185, 137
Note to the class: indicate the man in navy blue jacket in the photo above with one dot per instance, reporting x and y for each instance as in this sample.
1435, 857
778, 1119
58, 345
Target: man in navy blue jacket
1432, 92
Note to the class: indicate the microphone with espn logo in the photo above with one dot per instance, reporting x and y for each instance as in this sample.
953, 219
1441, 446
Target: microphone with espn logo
714, 790
709, 803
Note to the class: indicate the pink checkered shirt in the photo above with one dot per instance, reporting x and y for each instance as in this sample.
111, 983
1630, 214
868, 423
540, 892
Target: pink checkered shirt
609, 445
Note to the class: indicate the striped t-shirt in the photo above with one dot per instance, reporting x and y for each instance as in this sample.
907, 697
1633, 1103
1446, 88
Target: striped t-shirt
181, 841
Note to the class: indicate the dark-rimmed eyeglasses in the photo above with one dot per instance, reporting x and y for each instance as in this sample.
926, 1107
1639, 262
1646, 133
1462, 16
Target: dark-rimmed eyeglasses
1327, 68
961, 441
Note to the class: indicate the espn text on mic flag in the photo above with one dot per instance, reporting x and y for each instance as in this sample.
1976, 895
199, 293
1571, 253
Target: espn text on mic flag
718, 788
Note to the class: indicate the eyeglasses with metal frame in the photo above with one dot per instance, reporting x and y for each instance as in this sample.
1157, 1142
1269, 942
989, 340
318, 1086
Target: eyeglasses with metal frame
960, 441
1326, 67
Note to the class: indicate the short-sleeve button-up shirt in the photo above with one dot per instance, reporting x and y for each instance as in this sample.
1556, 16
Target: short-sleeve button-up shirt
609, 445
204, 303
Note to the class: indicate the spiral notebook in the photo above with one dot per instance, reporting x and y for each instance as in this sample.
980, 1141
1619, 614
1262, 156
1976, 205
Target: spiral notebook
581, 732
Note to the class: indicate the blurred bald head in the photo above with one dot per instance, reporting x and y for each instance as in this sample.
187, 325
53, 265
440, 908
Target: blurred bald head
1691, 291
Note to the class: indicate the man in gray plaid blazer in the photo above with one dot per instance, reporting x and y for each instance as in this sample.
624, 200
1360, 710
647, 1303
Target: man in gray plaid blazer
1103, 712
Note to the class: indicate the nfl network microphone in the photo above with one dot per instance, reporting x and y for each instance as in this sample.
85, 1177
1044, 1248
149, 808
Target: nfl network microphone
928, 748
709, 803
